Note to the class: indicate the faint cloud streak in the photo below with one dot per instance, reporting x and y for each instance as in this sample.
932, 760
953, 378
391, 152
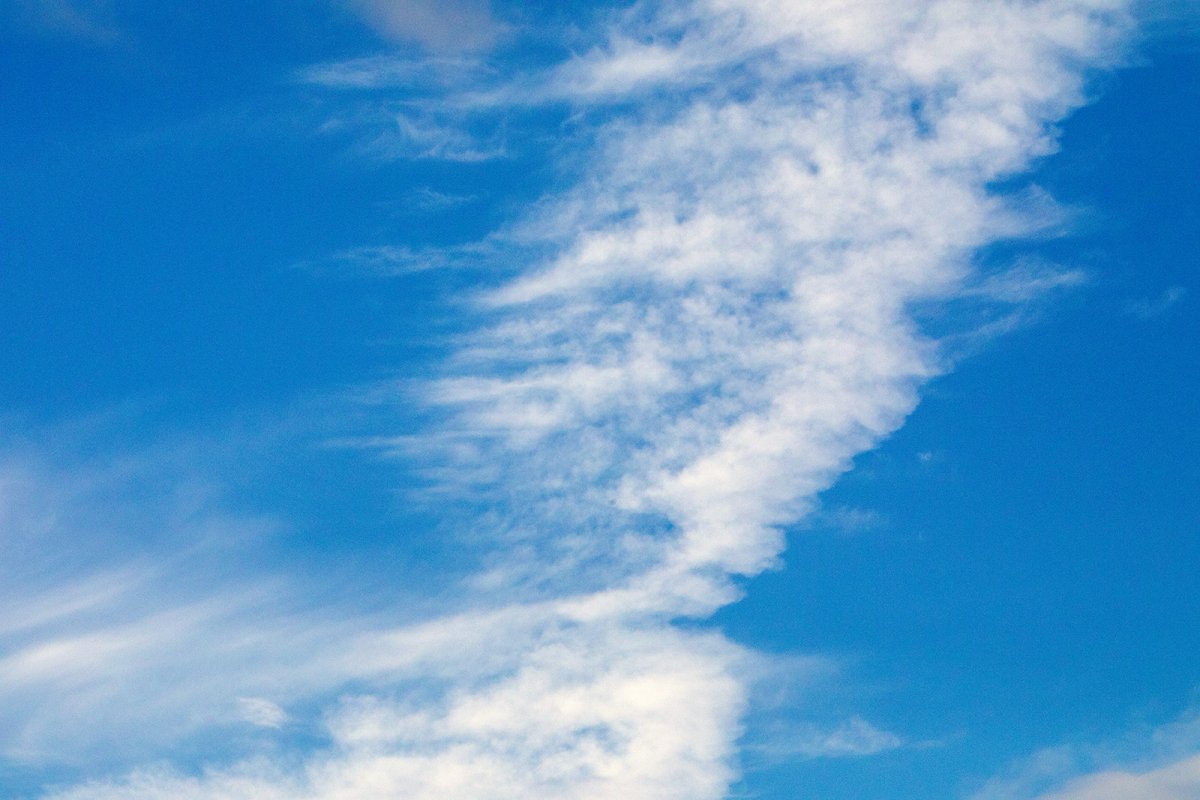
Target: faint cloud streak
1150, 308
437, 25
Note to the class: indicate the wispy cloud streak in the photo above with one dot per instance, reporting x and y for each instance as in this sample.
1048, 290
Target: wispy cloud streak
1144, 764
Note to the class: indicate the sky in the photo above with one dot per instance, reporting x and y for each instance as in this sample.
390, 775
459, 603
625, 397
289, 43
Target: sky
666, 400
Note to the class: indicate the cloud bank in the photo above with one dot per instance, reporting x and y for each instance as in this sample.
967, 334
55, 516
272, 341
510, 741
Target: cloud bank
726, 316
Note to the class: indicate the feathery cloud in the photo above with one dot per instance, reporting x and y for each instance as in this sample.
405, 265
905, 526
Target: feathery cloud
724, 320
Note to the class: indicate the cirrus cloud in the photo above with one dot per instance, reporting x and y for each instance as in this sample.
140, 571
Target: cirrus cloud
722, 320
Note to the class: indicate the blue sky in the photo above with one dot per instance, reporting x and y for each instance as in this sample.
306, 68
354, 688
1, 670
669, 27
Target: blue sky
738, 398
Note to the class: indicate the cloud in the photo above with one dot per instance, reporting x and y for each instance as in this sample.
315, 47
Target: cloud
113, 657
847, 521
383, 260
263, 713
1154, 307
85, 20
381, 72
438, 25
397, 107
1158, 764
418, 136
79, 624
588, 713
722, 320
1178, 781
854, 737
413, 130
430, 200
1026, 282
725, 321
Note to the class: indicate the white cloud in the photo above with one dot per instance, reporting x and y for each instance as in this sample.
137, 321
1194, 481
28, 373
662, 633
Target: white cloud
587, 714
1155, 764
384, 260
430, 200
126, 616
379, 72
417, 130
848, 521
724, 321
118, 660
412, 134
261, 712
1178, 781
439, 25
398, 107
854, 737
1028, 281
86, 20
